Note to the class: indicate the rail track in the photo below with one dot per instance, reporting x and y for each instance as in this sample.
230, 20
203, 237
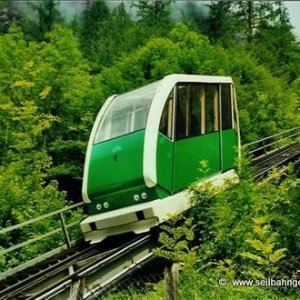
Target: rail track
86, 272
28, 279
63, 275
263, 165
273, 152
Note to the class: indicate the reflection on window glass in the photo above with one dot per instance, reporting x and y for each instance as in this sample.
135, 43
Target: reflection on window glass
182, 118
197, 109
211, 108
126, 113
226, 106
195, 118
166, 122
188, 110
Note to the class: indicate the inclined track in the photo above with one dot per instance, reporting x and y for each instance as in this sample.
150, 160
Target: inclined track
82, 262
76, 266
263, 165
30, 278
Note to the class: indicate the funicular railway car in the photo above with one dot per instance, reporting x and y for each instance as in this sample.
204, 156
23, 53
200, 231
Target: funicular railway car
145, 148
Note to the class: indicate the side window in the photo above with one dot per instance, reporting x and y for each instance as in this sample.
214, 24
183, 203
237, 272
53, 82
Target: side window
226, 101
182, 111
195, 123
166, 121
197, 109
188, 110
211, 108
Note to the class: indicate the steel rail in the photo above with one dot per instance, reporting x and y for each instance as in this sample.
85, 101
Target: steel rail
261, 173
279, 140
87, 270
118, 252
52, 270
122, 251
37, 238
49, 271
112, 282
297, 129
293, 149
8, 229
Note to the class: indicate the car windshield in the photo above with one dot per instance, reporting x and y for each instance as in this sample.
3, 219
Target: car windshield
126, 113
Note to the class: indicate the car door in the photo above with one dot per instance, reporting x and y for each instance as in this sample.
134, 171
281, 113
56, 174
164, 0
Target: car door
197, 134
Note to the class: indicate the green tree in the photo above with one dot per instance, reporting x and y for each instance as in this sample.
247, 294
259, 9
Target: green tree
264, 103
47, 15
153, 12
251, 15
221, 25
8, 15
60, 86
101, 28
276, 46
194, 16
91, 30
243, 231
48, 102
25, 189
153, 18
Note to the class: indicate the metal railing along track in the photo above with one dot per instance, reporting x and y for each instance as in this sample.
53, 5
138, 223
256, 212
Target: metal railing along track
264, 154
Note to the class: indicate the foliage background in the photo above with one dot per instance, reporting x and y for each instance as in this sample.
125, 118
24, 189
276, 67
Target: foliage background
56, 74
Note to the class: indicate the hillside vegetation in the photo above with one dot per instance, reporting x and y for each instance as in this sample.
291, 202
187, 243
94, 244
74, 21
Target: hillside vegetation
55, 75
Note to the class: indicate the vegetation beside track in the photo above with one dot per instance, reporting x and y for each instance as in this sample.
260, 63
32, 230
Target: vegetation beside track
246, 232
56, 74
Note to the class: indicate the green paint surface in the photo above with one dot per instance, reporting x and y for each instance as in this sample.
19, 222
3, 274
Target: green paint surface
229, 148
187, 156
120, 199
125, 198
164, 162
116, 165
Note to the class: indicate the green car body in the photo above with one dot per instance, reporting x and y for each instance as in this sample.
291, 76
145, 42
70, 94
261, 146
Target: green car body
139, 157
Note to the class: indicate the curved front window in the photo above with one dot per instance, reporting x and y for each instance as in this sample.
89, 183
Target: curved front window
126, 113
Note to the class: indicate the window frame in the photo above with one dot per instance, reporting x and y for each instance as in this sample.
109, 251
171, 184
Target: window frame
217, 107
131, 115
232, 112
171, 137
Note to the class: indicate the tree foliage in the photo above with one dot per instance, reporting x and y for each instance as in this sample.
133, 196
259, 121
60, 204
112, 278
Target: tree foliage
7, 16
260, 94
55, 79
221, 25
46, 15
153, 12
243, 230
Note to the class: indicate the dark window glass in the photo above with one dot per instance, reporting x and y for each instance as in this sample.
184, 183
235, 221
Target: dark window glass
166, 121
182, 111
226, 106
195, 118
197, 109
211, 108
188, 110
